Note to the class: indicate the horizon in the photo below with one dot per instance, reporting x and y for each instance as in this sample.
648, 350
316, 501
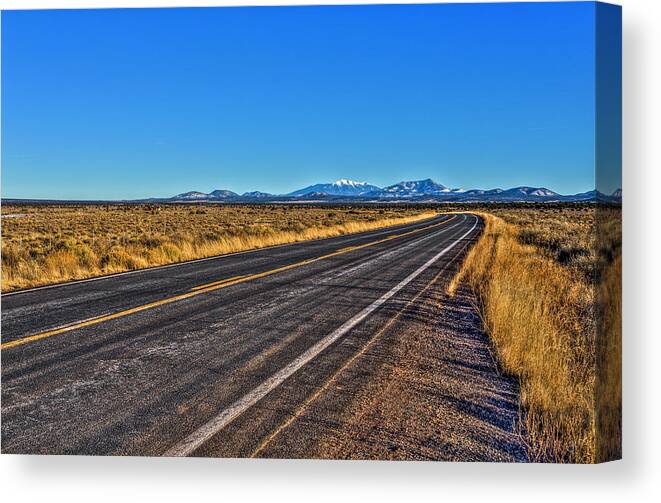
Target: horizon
288, 194
345, 179
121, 104
321, 182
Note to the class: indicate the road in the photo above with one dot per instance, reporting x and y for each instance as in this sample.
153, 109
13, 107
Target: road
212, 357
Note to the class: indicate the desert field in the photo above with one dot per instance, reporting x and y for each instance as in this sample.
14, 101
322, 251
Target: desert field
46, 244
541, 274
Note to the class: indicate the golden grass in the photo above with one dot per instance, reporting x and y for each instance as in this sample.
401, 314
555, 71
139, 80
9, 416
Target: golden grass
609, 338
56, 243
538, 306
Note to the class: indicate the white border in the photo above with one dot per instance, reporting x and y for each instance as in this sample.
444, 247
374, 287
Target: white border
72, 479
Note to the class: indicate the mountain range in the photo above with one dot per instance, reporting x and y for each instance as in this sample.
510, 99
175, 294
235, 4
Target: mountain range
413, 190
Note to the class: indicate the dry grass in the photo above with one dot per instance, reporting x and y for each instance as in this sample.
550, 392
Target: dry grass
543, 277
609, 338
54, 243
565, 235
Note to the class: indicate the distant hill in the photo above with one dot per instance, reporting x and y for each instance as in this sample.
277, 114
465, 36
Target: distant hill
416, 188
216, 195
426, 190
257, 194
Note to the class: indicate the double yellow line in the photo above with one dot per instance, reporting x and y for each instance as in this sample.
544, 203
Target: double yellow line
202, 289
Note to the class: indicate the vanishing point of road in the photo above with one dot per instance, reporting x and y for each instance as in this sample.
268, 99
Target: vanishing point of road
214, 357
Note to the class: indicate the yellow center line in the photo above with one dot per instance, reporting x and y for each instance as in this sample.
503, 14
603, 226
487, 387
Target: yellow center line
347, 249
221, 282
202, 289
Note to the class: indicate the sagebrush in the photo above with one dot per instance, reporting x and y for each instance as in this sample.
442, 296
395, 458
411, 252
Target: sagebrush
45, 244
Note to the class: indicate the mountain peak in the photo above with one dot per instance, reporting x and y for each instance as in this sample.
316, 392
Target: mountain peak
532, 191
350, 183
416, 188
256, 194
341, 187
201, 196
222, 193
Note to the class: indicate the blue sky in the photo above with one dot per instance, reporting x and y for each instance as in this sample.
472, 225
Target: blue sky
130, 103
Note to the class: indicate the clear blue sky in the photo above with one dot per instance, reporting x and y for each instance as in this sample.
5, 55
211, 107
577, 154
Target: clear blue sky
131, 103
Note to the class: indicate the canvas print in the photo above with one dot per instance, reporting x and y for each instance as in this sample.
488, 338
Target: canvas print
378, 232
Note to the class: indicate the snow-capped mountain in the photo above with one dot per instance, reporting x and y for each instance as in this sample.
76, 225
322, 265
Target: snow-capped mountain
342, 187
193, 195
417, 188
256, 194
529, 191
215, 195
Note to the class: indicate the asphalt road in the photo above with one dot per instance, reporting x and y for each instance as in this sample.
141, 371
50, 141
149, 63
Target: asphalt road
208, 357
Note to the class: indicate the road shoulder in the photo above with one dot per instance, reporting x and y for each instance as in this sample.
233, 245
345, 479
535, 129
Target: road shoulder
427, 388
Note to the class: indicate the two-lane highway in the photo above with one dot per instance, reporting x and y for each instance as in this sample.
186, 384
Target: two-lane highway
207, 357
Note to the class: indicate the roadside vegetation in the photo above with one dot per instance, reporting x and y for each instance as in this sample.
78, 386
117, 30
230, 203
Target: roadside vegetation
46, 244
548, 283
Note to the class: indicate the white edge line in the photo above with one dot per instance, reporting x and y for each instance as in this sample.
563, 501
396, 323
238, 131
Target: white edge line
189, 444
384, 230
